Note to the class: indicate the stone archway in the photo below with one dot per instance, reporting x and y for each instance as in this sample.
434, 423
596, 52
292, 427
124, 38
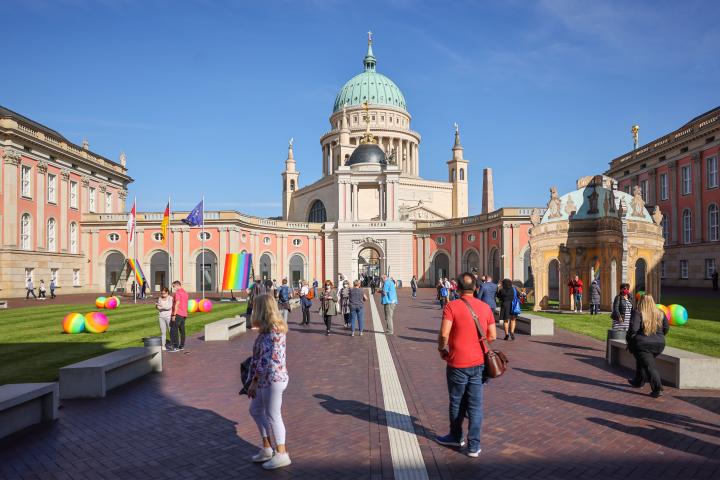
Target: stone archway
114, 263
440, 267
206, 268
369, 262
494, 264
640, 275
471, 262
553, 281
159, 270
266, 266
297, 270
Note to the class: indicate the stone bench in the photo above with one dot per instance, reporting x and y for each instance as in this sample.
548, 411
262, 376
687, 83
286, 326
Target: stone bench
3, 304
679, 368
26, 404
225, 329
92, 378
531, 324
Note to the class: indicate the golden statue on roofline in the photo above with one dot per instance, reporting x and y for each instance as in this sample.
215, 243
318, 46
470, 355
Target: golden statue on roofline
367, 136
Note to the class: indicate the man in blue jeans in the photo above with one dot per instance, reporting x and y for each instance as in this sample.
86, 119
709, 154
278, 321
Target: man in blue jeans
459, 345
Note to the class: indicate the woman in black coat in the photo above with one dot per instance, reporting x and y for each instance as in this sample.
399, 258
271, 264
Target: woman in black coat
506, 294
646, 340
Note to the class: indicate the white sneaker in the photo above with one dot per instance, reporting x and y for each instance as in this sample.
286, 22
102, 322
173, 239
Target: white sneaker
474, 454
278, 461
263, 455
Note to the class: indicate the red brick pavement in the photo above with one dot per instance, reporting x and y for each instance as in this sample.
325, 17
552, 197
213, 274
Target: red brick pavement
559, 413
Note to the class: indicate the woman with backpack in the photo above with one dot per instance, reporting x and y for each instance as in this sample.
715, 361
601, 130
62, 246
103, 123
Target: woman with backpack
328, 307
306, 296
646, 340
509, 308
344, 295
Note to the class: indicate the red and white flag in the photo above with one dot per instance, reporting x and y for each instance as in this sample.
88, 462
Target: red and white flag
131, 223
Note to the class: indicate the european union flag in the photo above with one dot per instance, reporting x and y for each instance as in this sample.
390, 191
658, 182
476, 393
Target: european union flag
196, 216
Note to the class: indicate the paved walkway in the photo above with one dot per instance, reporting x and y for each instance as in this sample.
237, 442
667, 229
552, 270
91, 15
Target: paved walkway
558, 413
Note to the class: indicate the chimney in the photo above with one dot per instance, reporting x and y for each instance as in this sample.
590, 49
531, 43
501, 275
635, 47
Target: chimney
488, 199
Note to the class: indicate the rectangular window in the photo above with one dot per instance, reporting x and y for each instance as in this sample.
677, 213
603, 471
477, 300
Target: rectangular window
52, 188
683, 269
687, 226
709, 267
644, 190
665, 228
54, 275
662, 269
73, 195
76, 277
25, 180
627, 189
91, 200
686, 180
29, 274
663, 186
712, 172
108, 202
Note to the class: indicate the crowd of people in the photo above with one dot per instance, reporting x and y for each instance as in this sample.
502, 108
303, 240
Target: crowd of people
42, 289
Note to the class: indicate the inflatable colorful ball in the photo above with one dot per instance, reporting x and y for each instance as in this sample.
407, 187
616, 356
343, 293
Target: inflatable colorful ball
73, 323
205, 305
678, 315
100, 302
665, 310
111, 303
96, 322
192, 306
639, 295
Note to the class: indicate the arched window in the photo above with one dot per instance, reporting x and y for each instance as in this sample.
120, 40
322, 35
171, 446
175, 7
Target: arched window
713, 227
452, 175
73, 237
51, 236
687, 226
317, 212
292, 185
462, 174
26, 232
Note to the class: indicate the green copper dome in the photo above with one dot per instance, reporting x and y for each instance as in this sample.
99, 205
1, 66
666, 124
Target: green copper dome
369, 86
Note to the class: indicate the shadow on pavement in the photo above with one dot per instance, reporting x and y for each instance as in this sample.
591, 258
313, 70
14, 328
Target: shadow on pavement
711, 404
418, 339
567, 377
426, 330
566, 345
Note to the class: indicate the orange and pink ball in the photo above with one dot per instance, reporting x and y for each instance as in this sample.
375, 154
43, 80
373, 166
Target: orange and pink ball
96, 322
73, 323
100, 302
111, 303
205, 305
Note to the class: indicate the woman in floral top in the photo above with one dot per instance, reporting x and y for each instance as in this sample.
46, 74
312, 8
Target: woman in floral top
270, 379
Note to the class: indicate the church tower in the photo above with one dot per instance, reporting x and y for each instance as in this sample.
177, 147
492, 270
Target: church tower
457, 170
290, 180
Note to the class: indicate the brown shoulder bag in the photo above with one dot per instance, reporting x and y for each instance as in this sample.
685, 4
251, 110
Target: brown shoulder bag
495, 360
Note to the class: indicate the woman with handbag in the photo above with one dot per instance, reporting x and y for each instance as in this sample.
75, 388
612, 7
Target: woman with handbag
344, 295
621, 309
509, 311
305, 303
328, 305
269, 381
357, 308
646, 340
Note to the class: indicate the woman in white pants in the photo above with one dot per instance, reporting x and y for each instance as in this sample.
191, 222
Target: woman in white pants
164, 307
270, 378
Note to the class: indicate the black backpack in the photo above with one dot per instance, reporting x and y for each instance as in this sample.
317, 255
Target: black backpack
245, 376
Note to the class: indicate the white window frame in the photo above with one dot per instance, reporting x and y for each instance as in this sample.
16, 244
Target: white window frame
683, 269
108, 202
627, 189
157, 236
30, 274
76, 277
665, 223
709, 267
26, 181
713, 221
440, 240
296, 242
644, 190
687, 226
712, 171
52, 188
113, 237
73, 237
208, 236
91, 200
54, 275
74, 195
26, 236
51, 238
686, 179
266, 241
663, 186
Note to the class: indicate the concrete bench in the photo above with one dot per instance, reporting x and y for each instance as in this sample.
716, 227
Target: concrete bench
26, 404
679, 368
3, 304
93, 378
531, 324
225, 329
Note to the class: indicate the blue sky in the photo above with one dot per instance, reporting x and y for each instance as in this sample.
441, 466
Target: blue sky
203, 95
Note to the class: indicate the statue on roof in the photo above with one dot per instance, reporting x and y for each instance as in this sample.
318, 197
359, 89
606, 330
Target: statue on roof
554, 204
593, 197
570, 207
535, 217
637, 204
123, 159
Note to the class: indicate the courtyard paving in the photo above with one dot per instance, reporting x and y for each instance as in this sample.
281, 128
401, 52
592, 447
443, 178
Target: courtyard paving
559, 412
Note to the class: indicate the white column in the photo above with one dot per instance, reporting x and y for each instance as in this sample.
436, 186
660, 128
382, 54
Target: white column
98, 278
63, 202
10, 195
40, 227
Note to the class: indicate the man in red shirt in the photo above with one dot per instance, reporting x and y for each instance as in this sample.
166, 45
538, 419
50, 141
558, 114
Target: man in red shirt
578, 293
459, 345
177, 319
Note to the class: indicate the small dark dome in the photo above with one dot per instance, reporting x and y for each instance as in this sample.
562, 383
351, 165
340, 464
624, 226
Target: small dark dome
367, 153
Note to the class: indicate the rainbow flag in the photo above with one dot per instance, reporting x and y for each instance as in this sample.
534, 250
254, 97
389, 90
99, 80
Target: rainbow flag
139, 275
238, 267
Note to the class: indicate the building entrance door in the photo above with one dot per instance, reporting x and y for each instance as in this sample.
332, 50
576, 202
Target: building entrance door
369, 263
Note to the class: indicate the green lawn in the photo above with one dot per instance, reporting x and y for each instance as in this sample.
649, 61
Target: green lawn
33, 346
700, 334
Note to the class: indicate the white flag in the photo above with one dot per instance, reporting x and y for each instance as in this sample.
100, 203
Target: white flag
131, 223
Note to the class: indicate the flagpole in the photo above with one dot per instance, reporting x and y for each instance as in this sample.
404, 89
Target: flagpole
167, 230
135, 249
202, 245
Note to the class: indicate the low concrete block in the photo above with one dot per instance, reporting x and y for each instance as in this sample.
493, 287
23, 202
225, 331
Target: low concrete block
679, 368
225, 329
26, 404
533, 325
94, 377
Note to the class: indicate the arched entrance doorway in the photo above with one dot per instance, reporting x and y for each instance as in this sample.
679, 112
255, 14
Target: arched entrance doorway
206, 272
114, 264
494, 266
297, 270
554, 281
471, 262
640, 274
440, 267
265, 267
527, 270
369, 263
159, 273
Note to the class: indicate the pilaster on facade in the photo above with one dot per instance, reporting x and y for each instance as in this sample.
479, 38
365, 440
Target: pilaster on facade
698, 196
673, 189
64, 205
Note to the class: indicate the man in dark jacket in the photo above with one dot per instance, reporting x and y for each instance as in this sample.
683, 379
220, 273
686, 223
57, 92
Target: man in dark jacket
594, 298
488, 292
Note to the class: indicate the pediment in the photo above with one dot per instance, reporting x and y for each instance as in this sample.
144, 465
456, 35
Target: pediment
419, 212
